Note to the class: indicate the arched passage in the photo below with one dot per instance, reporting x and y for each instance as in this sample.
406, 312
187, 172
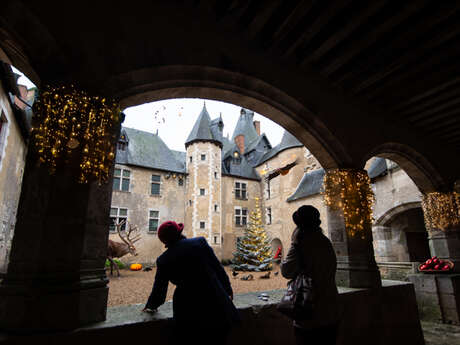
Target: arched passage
400, 235
419, 169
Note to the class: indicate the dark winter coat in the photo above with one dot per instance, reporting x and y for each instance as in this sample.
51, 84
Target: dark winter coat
320, 263
203, 289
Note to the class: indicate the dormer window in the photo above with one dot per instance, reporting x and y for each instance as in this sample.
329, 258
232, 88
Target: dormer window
122, 142
122, 146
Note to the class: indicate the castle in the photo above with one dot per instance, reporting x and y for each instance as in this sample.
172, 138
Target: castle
212, 186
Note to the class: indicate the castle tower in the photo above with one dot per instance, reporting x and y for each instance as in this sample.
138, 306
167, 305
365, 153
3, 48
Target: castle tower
204, 187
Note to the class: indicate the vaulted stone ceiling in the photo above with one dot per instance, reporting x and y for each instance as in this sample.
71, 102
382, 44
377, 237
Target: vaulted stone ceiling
393, 64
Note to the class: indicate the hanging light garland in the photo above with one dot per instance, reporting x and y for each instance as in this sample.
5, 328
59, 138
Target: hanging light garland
67, 121
441, 210
350, 191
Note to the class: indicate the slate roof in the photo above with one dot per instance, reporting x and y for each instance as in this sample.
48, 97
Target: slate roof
378, 167
147, 150
201, 130
245, 126
310, 184
287, 141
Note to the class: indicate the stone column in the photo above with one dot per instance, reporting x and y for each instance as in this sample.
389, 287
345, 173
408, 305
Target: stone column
56, 278
438, 295
442, 219
351, 234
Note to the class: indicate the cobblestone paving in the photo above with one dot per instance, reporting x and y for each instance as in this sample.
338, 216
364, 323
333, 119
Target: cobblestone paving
440, 334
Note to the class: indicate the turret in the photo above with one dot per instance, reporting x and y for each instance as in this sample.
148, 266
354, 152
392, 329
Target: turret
204, 168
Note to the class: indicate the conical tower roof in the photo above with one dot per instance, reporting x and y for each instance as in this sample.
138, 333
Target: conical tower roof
245, 126
201, 131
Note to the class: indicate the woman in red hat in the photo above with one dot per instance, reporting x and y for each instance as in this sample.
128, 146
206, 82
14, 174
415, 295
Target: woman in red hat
202, 301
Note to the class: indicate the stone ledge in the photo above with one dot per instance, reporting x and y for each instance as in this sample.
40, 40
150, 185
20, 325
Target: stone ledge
390, 311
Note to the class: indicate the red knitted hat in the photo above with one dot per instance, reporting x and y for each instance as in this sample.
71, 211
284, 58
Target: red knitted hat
170, 231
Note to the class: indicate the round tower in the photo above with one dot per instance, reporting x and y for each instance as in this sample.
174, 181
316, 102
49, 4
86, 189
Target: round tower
204, 180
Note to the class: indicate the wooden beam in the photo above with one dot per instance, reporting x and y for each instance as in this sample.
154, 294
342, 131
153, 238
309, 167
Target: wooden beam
355, 21
292, 20
434, 110
265, 11
409, 55
430, 101
331, 10
439, 117
356, 46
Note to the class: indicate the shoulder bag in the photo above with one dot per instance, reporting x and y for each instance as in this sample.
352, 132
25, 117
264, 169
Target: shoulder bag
298, 302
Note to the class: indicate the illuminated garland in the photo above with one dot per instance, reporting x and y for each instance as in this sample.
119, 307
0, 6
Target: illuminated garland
349, 190
441, 210
69, 123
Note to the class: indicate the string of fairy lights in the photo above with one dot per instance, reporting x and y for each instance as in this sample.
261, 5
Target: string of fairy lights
350, 191
69, 122
441, 210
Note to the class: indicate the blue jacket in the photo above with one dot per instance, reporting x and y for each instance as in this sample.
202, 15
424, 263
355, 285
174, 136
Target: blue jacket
203, 288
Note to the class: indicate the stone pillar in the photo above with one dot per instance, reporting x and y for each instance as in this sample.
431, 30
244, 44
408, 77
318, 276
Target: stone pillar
438, 295
56, 278
356, 266
442, 220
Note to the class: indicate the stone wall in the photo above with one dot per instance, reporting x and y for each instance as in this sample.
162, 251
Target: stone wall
282, 187
12, 159
230, 230
139, 201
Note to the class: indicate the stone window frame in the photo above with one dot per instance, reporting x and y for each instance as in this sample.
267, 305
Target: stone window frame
204, 191
216, 175
202, 222
116, 218
240, 191
241, 219
202, 157
150, 217
216, 208
191, 159
122, 178
159, 183
216, 239
269, 215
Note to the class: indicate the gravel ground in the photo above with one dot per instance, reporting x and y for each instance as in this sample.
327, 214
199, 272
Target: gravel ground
135, 286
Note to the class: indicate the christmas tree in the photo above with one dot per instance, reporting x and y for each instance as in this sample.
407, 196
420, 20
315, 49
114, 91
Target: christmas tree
253, 251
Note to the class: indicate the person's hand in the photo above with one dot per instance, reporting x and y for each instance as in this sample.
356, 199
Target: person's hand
148, 310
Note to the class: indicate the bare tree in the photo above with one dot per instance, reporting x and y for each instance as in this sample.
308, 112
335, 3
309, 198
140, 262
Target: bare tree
117, 249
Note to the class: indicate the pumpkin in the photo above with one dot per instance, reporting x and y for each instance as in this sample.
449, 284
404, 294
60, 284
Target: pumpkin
135, 267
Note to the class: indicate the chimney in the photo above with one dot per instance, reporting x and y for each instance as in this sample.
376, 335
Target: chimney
239, 141
257, 126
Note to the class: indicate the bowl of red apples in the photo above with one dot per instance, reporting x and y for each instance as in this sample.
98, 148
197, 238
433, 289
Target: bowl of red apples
436, 265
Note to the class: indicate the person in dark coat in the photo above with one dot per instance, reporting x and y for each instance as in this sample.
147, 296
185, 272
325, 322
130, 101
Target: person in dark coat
313, 251
203, 309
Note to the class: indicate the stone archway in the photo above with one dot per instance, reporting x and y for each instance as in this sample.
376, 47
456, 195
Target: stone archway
400, 235
419, 169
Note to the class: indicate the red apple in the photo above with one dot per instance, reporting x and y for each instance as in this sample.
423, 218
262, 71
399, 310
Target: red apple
423, 267
437, 267
428, 262
436, 261
446, 267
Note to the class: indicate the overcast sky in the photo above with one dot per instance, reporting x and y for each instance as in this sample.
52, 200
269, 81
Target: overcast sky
175, 118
